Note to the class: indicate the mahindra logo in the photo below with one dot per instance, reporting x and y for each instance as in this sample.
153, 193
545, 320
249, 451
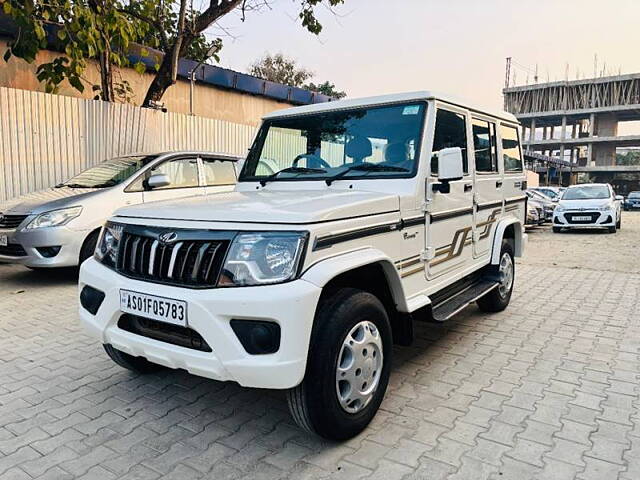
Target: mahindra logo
168, 237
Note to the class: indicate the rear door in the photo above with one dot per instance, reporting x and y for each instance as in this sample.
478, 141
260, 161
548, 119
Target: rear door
488, 184
514, 178
450, 215
218, 175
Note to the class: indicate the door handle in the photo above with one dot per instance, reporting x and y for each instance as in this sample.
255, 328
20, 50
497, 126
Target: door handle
498, 183
468, 187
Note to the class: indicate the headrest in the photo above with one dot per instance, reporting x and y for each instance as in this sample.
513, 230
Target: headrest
395, 153
358, 148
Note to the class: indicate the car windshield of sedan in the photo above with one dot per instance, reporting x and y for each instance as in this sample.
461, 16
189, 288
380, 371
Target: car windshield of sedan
372, 142
109, 173
594, 192
634, 195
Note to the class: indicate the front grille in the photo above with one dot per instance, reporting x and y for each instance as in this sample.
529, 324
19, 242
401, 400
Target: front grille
11, 221
164, 332
593, 216
194, 259
13, 250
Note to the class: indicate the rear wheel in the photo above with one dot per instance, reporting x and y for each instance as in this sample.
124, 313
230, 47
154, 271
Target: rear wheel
135, 364
498, 298
347, 368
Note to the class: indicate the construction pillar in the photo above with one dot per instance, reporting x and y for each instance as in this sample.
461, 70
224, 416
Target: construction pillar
532, 132
563, 135
592, 122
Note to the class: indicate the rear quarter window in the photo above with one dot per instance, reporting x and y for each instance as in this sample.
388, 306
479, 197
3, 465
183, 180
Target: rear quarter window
511, 154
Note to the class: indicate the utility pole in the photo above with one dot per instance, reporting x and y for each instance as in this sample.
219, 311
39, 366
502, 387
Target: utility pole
507, 73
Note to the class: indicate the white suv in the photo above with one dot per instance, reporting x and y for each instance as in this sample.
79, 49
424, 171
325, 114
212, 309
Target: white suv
383, 211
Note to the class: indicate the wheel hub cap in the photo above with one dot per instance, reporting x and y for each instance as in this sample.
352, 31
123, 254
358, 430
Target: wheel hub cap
506, 275
359, 367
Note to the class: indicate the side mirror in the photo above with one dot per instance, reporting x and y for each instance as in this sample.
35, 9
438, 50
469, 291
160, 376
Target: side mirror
450, 168
619, 197
158, 180
556, 199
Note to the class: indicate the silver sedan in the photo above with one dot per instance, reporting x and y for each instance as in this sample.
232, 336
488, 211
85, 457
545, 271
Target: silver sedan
59, 227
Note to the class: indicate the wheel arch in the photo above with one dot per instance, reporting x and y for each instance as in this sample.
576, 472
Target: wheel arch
511, 229
371, 268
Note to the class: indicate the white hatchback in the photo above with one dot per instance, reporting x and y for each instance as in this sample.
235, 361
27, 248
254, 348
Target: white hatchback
593, 205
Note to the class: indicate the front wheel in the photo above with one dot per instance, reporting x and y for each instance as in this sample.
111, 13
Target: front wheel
348, 366
498, 298
557, 229
619, 223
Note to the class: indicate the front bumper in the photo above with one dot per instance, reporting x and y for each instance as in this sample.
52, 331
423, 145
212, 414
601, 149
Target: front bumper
70, 242
603, 219
292, 305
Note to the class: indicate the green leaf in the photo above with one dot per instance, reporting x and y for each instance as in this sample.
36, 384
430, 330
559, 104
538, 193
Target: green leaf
6, 7
140, 67
76, 83
62, 34
144, 52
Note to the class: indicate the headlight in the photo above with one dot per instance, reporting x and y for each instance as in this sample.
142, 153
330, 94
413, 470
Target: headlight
604, 208
559, 208
262, 258
54, 218
108, 244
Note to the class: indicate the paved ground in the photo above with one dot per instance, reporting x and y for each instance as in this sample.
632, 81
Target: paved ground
547, 389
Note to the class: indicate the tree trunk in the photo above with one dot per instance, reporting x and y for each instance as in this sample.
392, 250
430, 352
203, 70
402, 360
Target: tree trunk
106, 77
168, 72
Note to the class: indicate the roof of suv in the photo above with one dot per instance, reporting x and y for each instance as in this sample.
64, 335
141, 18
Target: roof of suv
388, 99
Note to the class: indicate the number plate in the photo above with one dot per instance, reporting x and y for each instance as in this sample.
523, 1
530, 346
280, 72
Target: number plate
151, 306
4, 241
581, 219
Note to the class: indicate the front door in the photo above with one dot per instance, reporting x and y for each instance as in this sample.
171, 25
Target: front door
184, 176
450, 215
488, 185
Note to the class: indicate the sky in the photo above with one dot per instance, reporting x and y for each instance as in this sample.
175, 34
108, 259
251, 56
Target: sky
458, 47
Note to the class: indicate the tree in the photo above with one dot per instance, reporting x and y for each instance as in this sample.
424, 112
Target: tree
629, 158
326, 88
85, 30
190, 23
280, 69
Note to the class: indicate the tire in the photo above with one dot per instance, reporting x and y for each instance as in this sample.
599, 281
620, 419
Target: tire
88, 247
557, 229
135, 364
612, 229
315, 404
498, 298
619, 223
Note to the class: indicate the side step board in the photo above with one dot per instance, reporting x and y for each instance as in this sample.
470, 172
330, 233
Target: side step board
449, 307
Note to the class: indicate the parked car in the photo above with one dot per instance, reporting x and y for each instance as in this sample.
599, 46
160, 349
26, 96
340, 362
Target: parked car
535, 213
302, 279
632, 202
59, 227
554, 193
593, 205
548, 205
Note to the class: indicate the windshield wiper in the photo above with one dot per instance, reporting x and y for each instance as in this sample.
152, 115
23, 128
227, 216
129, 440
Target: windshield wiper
273, 176
365, 167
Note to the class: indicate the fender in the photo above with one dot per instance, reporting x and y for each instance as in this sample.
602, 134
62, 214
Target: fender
520, 239
326, 270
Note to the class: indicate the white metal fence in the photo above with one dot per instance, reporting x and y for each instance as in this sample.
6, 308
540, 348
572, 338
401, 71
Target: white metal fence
45, 139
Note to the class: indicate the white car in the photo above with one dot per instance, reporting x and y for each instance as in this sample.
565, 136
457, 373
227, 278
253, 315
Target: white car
592, 205
382, 211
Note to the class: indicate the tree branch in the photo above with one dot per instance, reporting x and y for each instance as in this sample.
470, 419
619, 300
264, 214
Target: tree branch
164, 41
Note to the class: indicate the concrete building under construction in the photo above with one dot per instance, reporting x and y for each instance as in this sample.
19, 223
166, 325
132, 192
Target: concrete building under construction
577, 122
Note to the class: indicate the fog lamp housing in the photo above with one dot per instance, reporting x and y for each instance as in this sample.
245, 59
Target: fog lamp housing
91, 299
257, 337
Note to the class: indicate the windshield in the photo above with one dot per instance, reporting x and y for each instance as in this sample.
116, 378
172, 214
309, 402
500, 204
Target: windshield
586, 193
109, 173
634, 195
376, 142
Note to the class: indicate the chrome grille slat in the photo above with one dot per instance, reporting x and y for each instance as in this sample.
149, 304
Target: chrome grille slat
11, 221
193, 263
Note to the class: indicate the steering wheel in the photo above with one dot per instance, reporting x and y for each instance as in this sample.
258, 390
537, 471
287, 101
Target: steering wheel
313, 161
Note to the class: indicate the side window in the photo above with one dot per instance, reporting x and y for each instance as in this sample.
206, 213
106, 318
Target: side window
182, 173
218, 172
511, 149
484, 145
450, 131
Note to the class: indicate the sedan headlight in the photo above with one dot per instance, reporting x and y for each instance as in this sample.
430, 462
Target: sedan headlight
54, 218
559, 208
262, 258
604, 208
108, 244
